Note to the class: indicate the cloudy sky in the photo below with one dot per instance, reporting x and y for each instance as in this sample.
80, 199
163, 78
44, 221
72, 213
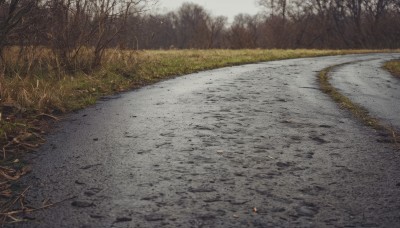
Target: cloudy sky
228, 8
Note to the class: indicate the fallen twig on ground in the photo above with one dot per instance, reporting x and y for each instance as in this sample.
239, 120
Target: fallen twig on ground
8, 215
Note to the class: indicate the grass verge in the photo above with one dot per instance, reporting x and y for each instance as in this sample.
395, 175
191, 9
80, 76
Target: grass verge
356, 110
393, 67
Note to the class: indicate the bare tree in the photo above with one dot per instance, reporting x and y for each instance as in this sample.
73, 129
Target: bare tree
109, 20
87, 25
191, 25
244, 31
11, 14
216, 26
275, 7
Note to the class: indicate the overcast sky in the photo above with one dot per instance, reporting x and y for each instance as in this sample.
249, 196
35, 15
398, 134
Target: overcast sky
228, 8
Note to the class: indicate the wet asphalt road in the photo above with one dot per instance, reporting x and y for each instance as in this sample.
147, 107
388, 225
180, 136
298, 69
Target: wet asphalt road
367, 84
247, 146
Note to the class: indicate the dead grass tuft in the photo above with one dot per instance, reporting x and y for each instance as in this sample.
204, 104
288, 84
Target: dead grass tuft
393, 67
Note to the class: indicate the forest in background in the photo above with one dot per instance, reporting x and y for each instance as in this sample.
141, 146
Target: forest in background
76, 33
322, 24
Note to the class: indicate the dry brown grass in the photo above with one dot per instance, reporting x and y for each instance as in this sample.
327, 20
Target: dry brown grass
393, 67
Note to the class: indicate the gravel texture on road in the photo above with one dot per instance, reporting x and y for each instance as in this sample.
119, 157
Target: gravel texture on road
248, 146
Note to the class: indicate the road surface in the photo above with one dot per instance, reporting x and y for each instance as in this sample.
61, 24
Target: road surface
367, 84
248, 146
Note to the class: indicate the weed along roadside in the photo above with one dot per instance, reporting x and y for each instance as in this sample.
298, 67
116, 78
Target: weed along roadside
393, 67
32, 100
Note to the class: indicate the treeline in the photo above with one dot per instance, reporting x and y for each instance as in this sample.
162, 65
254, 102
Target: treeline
77, 32
328, 24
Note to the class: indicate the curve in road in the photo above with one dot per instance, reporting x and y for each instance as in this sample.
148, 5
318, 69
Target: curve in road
247, 146
370, 86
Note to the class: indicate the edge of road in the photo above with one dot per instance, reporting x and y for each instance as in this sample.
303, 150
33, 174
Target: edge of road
359, 112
